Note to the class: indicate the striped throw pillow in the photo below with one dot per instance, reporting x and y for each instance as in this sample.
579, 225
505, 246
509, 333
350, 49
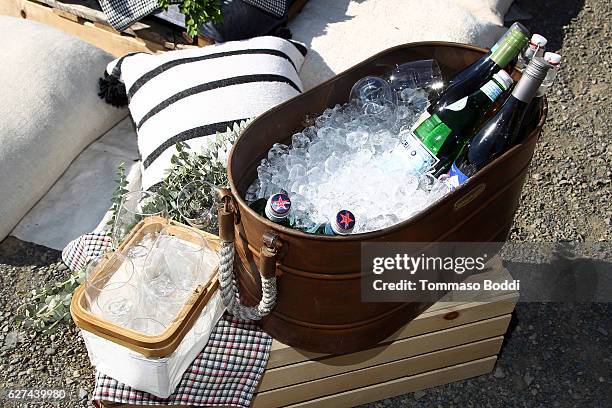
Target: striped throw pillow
189, 95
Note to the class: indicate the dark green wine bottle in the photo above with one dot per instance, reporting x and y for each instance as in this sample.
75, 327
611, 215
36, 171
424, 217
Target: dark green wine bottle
473, 77
500, 132
446, 132
276, 208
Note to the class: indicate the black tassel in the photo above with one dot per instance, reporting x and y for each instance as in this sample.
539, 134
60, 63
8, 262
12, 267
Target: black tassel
283, 32
112, 90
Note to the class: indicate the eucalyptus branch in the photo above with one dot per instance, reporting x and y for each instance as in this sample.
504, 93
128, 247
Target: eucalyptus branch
43, 309
120, 190
208, 165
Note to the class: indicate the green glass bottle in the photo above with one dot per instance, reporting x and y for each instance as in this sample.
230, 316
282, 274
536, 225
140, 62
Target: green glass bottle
446, 132
276, 208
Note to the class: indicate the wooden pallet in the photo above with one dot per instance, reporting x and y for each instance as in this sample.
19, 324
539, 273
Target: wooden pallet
456, 338
91, 25
84, 19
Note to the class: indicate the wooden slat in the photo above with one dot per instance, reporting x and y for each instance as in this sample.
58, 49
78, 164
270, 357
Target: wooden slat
456, 315
86, 9
455, 308
378, 373
412, 346
434, 319
382, 390
115, 44
67, 15
402, 385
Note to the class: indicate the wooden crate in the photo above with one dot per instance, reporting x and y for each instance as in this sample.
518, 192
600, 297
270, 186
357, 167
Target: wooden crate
456, 338
84, 19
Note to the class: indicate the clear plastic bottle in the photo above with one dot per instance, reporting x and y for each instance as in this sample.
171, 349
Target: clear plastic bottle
535, 48
533, 110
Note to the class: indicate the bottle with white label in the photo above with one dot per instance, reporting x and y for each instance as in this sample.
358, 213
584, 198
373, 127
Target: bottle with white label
446, 132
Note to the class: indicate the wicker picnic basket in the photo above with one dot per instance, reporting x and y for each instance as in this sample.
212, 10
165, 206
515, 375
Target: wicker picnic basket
318, 304
149, 346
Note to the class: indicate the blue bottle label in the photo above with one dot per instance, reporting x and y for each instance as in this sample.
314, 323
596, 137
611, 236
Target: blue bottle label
492, 90
456, 176
329, 230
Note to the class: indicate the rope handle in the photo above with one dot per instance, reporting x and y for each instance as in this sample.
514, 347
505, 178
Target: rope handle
267, 266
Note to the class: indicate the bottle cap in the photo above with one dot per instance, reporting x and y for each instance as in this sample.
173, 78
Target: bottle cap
503, 79
533, 77
552, 58
344, 222
537, 40
278, 207
537, 69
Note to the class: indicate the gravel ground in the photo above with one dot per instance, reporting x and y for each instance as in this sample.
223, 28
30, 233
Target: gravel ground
557, 355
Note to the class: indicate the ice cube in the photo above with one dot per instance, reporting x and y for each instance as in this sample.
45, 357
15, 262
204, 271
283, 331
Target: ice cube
381, 221
326, 132
310, 133
299, 141
297, 171
277, 151
252, 193
415, 98
361, 157
357, 138
317, 150
332, 164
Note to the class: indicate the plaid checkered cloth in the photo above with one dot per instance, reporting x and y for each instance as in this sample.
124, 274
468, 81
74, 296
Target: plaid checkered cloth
274, 7
86, 247
225, 373
123, 13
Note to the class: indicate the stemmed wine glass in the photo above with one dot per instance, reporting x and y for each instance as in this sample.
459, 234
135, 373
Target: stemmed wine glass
422, 74
198, 203
135, 207
111, 288
162, 291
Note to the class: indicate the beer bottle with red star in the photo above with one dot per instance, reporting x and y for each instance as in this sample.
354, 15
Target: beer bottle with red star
343, 224
276, 208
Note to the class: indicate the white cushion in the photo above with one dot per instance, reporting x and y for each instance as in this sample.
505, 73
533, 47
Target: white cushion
189, 95
340, 34
49, 111
79, 200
